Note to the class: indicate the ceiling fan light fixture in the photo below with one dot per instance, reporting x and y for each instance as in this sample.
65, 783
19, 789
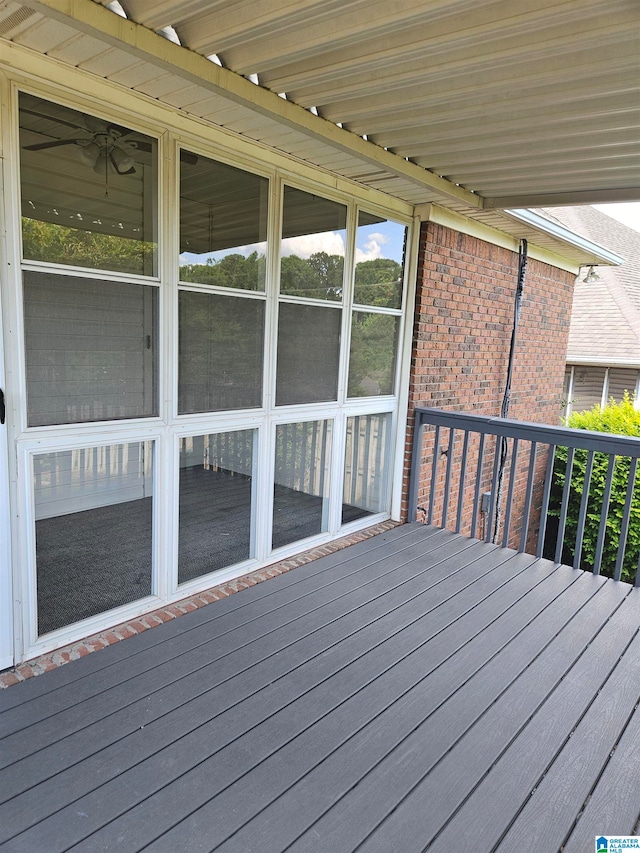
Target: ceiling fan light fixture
101, 164
88, 153
122, 160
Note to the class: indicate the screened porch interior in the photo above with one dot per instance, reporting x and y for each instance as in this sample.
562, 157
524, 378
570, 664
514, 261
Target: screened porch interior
280, 335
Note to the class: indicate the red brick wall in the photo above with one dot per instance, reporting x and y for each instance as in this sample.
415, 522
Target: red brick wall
464, 318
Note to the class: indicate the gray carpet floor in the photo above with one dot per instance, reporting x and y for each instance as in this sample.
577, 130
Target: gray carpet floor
92, 561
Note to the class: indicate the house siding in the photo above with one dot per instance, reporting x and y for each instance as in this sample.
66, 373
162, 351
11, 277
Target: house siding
462, 330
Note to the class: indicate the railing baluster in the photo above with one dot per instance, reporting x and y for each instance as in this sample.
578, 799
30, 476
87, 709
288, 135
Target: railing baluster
416, 467
582, 513
461, 483
626, 515
509, 435
447, 480
606, 497
566, 492
526, 513
434, 472
493, 500
512, 482
476, 492
545, 499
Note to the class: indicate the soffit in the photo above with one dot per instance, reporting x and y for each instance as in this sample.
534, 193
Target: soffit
475, 106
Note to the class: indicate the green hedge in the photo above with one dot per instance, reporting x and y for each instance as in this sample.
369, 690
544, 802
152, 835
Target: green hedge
621, 419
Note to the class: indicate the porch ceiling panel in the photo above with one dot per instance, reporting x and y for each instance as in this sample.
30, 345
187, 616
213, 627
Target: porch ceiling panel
546, 89
505, 103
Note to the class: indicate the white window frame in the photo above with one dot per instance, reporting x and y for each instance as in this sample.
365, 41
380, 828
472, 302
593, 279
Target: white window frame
165, 429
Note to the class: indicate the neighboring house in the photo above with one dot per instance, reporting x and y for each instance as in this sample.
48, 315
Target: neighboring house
220, 308
603, 355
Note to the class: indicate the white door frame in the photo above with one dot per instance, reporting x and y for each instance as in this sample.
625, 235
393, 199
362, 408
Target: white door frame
6, 575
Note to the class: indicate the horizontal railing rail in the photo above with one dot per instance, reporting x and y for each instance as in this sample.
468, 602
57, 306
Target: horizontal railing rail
567, 494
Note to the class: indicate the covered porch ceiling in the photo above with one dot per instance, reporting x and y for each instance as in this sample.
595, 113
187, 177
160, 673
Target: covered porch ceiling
479, 107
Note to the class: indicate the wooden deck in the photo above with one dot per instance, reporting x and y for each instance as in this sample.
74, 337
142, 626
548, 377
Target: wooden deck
418, 691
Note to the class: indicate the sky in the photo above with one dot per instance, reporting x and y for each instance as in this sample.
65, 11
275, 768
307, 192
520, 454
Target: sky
384, 239
380, 240
628, 213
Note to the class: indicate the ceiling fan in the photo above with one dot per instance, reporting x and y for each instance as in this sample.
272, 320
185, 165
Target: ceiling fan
100, 145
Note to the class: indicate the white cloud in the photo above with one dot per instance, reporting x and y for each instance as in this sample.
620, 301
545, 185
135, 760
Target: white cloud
372, 248
306, 245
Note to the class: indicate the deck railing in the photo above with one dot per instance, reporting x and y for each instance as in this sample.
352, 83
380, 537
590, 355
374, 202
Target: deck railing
531, 487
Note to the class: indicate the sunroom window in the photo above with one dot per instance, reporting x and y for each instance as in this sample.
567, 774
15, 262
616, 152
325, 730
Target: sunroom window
223, 224
89, 190
378, 279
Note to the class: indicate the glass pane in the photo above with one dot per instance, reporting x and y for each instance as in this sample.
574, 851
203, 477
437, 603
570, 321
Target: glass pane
223, 224
300, 502
90, 349
221, 346
380, 253
308, 353
88, 190
314, 236
93, 530
366, 467
215, 502
372, 360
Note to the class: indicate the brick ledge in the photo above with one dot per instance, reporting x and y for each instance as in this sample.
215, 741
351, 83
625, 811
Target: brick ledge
110, 636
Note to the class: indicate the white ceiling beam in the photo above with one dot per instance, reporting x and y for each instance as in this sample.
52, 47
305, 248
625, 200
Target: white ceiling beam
348, 39
406, 84
305, 25
602, 142
609, 93
515, 112
487, 46
544, 87
162, 13
569, 198
462, 135
563, 166
100, 23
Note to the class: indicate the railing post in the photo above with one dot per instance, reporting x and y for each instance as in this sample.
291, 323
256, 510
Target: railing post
416, 465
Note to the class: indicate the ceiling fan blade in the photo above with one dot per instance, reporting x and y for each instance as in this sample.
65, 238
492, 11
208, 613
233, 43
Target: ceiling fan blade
119, 130
188, 157
55, 143
51, 118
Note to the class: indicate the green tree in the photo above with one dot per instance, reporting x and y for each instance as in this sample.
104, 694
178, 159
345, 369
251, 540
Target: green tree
378, 282
59, 244
372, 359
234, 270
317, 277
621, 419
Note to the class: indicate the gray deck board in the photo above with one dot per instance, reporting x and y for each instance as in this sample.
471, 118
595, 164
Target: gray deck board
317, 573
418, 691
237, 648
566, 784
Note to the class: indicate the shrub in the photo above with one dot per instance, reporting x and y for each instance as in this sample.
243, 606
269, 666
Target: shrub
621, 419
